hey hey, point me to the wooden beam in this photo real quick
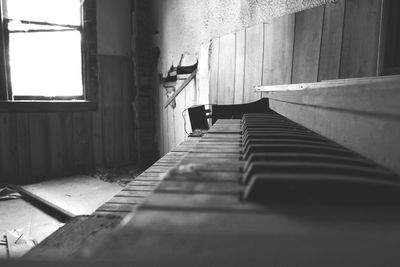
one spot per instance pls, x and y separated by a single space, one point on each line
177 92
328 84
376 96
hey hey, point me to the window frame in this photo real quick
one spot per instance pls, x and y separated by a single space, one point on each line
87 102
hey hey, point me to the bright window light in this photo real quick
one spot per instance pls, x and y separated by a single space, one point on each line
45 60
54 11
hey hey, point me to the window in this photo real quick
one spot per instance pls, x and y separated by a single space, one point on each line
49 50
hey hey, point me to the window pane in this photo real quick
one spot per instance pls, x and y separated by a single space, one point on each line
55 11
46 64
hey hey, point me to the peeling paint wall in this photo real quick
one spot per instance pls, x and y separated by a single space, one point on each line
183 25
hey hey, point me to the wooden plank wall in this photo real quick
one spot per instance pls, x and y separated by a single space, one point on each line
338 40
37 146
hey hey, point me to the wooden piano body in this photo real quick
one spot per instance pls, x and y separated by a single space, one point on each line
200 214
197 216
212 207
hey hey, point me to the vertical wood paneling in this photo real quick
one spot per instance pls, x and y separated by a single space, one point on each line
202 77
360 38
214 67
68 141
171 128
126 113
24 147
253 61
180 106
165 119
82 122
239 66
108 122
4 147
160 131
278 50
113 125
56 133
159 140
13 145
97 130
190 100
226 73
8 142
39 145
331 45
111 86
307 43
97 120
389 12
117 114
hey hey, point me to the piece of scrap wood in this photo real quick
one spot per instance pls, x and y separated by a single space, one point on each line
177 92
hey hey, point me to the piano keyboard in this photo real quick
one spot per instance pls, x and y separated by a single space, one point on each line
132 196
265 191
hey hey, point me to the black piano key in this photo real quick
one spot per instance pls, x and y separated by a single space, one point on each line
284 135
294 148
248 133
275 129
268 124
287 141
306 157
322 188
311 167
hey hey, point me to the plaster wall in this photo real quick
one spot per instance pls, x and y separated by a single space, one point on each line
184 25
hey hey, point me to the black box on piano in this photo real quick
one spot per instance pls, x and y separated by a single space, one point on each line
198 117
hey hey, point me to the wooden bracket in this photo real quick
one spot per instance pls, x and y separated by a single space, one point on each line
177 92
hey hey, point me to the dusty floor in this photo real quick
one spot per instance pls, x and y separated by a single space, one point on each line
121 176
33 221
37 222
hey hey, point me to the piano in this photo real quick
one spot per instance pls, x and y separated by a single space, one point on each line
257 189
263 191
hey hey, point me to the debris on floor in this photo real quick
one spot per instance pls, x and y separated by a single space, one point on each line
3 247
18 243
76 195
7 193
34 223
121 176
